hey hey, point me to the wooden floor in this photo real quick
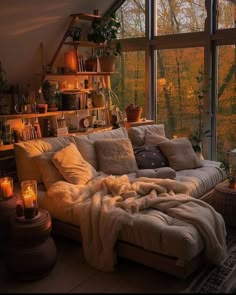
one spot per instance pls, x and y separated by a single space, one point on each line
71 274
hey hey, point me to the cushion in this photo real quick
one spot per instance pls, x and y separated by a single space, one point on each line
48 171
163 172
137 134
150 157
180 154
72 166
25 151
154 138
116 156
85 143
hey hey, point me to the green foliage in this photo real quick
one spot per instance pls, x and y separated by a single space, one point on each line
74 32
103 32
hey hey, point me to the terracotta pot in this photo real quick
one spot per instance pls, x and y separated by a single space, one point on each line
133 113
107 63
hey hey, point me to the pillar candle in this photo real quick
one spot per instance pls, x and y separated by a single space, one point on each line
6 188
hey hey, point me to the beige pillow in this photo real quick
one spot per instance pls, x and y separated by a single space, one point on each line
72 166
153 138
48 171
116 156
180 154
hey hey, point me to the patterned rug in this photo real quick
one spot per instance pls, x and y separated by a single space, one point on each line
218 279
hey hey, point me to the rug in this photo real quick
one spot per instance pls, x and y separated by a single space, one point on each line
221 278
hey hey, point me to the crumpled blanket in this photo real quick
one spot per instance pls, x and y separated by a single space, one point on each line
106 204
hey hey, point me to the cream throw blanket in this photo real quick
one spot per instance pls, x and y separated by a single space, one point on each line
108 203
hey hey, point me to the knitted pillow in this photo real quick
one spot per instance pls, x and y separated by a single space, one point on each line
150 157
115 156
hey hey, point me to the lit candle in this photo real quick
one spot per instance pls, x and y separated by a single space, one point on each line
6 188
175 136
29 197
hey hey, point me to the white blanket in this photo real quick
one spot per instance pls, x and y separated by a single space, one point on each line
108 203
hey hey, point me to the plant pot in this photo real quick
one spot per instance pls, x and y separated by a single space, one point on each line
107 63
98 100
91 65
133 114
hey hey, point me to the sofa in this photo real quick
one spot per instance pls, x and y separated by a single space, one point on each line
114 191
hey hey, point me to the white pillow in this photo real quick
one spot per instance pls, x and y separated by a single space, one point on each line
116 156
48 171
72 166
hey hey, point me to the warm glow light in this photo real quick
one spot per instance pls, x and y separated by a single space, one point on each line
70 60
29 198
6 188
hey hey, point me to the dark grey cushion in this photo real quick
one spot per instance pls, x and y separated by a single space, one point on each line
150 157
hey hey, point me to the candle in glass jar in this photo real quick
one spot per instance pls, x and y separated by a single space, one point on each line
6 188
29 197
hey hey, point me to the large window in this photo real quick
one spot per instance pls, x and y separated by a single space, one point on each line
179 63
226 115
179 90
226 14
132 18
179 16
129 84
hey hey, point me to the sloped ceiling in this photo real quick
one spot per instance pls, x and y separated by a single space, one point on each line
25 24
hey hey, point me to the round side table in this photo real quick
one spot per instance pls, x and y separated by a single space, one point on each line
31 252
224 201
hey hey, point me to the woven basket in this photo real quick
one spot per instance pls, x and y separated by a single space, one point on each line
133 114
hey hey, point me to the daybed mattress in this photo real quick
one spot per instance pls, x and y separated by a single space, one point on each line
169 236
202 180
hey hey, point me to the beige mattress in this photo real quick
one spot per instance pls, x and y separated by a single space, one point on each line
202 180
169 236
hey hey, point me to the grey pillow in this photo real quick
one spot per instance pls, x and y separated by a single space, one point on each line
180 154
115 156
150 157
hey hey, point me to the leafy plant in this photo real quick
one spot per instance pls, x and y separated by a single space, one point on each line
198 135
74 32
104 32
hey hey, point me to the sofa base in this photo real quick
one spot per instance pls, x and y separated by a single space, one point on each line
163 263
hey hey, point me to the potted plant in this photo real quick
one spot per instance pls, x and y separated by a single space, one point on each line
133 113
50 94
104 32
74 32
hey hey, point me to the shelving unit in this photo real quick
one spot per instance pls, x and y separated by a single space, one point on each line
6 149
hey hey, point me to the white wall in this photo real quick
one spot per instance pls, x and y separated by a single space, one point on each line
24 24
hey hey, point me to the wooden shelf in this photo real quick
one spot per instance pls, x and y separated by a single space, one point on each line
8 147
86 16
48 114
58 76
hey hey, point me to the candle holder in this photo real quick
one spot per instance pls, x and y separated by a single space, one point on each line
6 187
29 198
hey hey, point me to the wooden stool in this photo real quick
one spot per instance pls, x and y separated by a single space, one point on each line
31 252
7 211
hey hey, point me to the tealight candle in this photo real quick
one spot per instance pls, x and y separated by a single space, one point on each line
6 187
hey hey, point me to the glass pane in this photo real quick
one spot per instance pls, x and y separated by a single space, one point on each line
132 18
227 14
129 82
180 92
226 119
179 16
